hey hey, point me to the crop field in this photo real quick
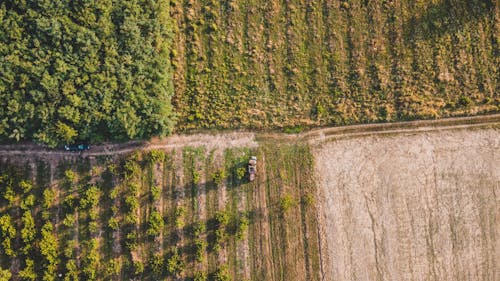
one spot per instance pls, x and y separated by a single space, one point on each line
185 214
298 63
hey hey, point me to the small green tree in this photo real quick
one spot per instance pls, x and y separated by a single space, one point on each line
221 274
287 202
175 265
28 272
155 223
200 276
5 274
65 133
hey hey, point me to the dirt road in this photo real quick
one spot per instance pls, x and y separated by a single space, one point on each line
249 139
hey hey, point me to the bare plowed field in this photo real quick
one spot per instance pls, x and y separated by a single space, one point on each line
411 206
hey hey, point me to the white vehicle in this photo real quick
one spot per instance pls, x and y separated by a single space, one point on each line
252 168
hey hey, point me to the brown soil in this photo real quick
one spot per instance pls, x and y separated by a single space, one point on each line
411 206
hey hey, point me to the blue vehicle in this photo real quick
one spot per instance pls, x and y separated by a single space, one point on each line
77 147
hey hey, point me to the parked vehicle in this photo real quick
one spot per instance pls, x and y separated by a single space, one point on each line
252 168
77 147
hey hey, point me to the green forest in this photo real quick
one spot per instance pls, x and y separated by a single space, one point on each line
84 70
117 70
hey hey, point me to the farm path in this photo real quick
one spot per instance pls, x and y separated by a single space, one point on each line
234 139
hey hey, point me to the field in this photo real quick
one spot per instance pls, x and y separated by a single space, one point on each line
179 214
407 201
298 63
411 206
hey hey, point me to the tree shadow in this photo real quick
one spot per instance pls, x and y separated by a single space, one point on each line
446 17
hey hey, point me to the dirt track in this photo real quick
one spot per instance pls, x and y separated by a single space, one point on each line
249 139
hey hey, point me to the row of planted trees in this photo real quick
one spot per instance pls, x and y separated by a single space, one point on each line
112 219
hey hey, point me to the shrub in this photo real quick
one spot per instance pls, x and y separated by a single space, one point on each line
198 228
5 274
113 223
28 232
155 223
221 274
28 272
464 101
179 213
156 264
155 192
308 199
69 175
200 276
156 156
26 186
138 267
10 196
69 220
221 218
196 177
240 173
174 263
242 227
28 202
114 267
91 197
219 176
199 247
287 202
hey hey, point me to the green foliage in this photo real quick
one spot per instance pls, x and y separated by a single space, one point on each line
200 276
196 177
155 223
85 70
219 176
242 227
7 232
198 228
308 200
221 274
138 267
5 274
49 196
113 223
179 214
199 249
28 272
114 267
131 240
90 197
155 192
156 263
28 231
26 186
72 268
10 195
222 218
287 202
48 249
69 175
156 156
175 265
91 260
28 202
240 173
69 220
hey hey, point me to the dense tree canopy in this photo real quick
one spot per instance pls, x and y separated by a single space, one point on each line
84 70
